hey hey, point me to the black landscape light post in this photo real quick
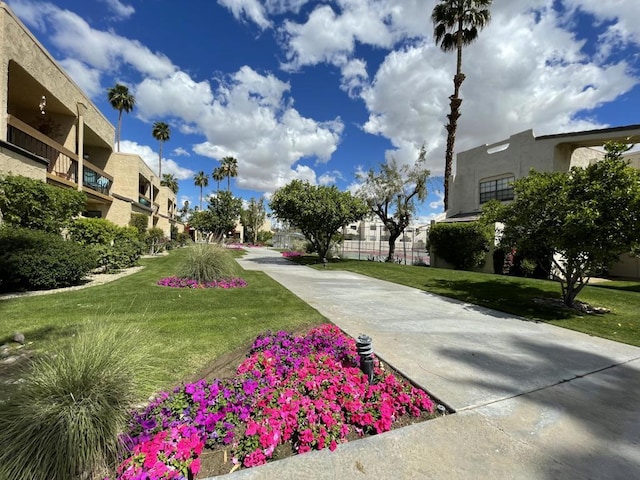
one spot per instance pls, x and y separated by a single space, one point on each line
365 351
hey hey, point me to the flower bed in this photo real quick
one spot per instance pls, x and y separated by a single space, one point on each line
304 391
291 254
176 282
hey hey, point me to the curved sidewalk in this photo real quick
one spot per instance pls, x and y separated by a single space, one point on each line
533 401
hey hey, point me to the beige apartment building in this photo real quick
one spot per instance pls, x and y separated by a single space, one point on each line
486 172
51 131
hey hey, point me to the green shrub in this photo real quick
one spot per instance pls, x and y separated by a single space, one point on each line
117 247
208 262
35 260
29 203
140 222
155 240
183 239
62 422
463 245
90 231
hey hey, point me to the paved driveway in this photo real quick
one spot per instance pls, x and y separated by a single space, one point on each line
533 401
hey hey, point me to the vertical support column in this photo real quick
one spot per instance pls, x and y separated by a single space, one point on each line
80 143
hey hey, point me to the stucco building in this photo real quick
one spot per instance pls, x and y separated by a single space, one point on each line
486 172
51 131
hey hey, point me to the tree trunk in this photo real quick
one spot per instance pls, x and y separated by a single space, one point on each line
453 117
392 245
119 128
160 162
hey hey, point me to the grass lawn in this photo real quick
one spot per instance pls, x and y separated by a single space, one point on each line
187 328
515 295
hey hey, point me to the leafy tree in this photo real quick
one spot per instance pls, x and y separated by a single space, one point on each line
170 180
253 217
229 169
29 203
220 217
392 193
586 217
218 175
463 245
162 133
456 24
318 211
120 99
201 180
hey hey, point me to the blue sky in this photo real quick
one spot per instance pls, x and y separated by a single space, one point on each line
320 90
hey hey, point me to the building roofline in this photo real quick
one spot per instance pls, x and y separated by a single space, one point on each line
589 132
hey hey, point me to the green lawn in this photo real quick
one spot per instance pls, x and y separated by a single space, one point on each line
515 295
188 328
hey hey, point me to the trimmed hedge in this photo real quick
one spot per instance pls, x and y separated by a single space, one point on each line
463 245
36 260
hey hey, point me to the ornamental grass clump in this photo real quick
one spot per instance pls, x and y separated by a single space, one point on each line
63 422
208 263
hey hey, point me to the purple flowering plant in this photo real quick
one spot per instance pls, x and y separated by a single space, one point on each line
291 254
305 390
177 282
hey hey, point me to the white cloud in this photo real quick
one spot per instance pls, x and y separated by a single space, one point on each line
624 14
330 178
248 116
98 49
439 203
252 9
181 152
150 157
120 9
537 79
258 10
87 78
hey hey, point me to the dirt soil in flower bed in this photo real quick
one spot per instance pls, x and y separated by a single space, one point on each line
218 462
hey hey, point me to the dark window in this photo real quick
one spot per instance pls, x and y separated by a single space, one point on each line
501 189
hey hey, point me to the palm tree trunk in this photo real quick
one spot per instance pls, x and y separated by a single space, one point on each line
200 197
160 162
119 128
228 183
452 127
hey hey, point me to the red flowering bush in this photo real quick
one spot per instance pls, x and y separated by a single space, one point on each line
291 254
303 390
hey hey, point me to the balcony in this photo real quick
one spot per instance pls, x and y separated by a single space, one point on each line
63 163
144 201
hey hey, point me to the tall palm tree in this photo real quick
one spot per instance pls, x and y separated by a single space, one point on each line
170 180
229 167
201 180
218 175
456 24
120 99
162 133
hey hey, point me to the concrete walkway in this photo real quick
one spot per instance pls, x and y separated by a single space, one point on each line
533 401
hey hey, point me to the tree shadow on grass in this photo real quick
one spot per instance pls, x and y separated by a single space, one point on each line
514 298
624 288
596 395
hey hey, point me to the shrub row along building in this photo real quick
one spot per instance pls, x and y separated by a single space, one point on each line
50 130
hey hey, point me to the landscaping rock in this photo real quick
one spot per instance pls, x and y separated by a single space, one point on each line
18 338
9 360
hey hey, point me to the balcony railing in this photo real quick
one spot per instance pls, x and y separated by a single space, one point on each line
96 179
144 201
63 163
